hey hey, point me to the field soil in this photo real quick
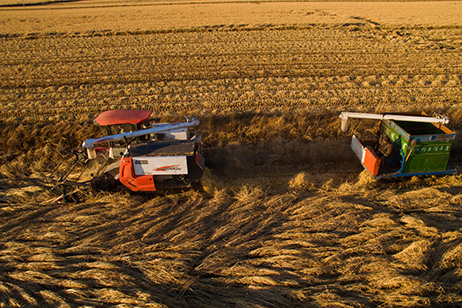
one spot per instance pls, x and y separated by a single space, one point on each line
287 216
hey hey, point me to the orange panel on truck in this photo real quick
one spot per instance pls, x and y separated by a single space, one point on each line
372 162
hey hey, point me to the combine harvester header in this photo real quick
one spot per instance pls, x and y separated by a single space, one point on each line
406 145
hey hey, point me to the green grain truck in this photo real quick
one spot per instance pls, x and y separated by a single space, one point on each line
406 145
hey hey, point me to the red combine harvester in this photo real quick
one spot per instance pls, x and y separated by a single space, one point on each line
137 154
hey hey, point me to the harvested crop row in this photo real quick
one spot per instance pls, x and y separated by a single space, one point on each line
51 78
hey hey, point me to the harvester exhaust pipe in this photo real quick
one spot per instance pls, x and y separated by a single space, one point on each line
441 119
344 124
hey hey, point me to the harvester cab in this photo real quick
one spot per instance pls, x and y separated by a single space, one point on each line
405 145
136 153
121 121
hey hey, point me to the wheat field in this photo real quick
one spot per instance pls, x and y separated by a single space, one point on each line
288 217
